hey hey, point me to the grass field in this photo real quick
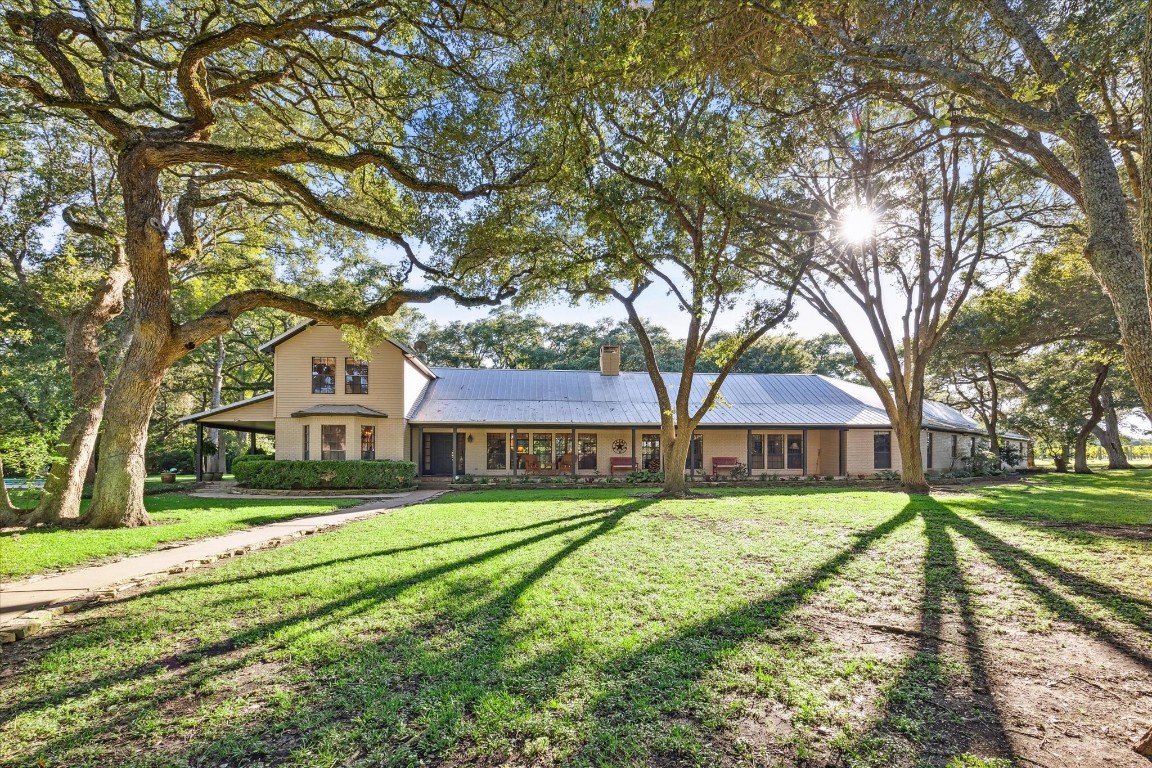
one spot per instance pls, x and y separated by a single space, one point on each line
176 517
1008 625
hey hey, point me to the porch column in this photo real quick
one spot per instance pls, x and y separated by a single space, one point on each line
455 466
199 451
515 455
573 453
419 457
748 453
634 448
252 442
804 448
843 449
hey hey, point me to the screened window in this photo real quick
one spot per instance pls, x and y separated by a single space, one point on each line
955 446
307 442
931 445
368 442
972 447
586 450
497 451
795 451
882 450
775 451
756 452
355 376
332 438
323 375
542 448
650 452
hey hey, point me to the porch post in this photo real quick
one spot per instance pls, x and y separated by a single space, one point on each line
199 451
573 453
843 452
748 453
419 457
804 447
455 466
633 448
515 455
252 442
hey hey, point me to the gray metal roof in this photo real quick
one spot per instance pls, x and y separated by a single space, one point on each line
341 410
501 396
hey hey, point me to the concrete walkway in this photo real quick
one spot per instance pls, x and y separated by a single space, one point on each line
20 597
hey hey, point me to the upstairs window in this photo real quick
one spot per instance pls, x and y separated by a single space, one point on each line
355 376
323 375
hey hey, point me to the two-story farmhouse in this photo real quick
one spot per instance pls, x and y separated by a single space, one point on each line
328 404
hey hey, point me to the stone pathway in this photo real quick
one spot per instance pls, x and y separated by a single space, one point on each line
25 605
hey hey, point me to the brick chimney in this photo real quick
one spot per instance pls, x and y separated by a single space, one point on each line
609 360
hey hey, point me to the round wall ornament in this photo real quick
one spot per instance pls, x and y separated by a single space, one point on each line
619 446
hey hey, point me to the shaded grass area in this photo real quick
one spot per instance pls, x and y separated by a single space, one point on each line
593 628
176 517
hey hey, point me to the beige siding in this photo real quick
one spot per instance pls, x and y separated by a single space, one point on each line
386 385
262 411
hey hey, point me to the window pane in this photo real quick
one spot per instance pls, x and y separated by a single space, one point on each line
542 448
795 451
955 450
650 452
695 457
323 375
775 451
355 376
930 446
368 442
497 450
882 450
522 449
586 448
564 452
332 442
756 452
306 442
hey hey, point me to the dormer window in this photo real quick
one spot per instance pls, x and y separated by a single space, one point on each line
355 376
323 375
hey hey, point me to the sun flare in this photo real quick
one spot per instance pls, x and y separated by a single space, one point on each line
856 225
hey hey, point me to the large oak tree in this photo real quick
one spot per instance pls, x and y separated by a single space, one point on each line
356 114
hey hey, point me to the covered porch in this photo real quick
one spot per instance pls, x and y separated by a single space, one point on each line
250 417
515 450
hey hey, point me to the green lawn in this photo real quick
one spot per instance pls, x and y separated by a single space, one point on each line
591 627
177 517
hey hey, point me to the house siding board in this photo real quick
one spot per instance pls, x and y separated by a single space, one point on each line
293 372
264 410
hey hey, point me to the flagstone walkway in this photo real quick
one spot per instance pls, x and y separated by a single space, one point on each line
25 600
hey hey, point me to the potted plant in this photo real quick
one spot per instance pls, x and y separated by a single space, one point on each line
168 476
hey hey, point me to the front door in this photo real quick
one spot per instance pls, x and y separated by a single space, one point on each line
438 454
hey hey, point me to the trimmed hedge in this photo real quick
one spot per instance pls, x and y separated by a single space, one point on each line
244 458
318 475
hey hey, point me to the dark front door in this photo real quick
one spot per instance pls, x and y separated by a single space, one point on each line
438 454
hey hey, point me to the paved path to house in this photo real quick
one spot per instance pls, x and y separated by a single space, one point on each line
20 597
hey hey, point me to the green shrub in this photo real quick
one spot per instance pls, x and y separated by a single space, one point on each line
319 475
247 457
644 476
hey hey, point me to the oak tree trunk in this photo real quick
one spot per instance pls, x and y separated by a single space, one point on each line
1109 433
118 495
907 429
1112 250
1061 459
216 462
1080 460
678 442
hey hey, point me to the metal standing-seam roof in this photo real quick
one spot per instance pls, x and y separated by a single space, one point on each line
504 396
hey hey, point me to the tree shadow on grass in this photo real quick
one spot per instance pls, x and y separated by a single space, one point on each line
186 673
